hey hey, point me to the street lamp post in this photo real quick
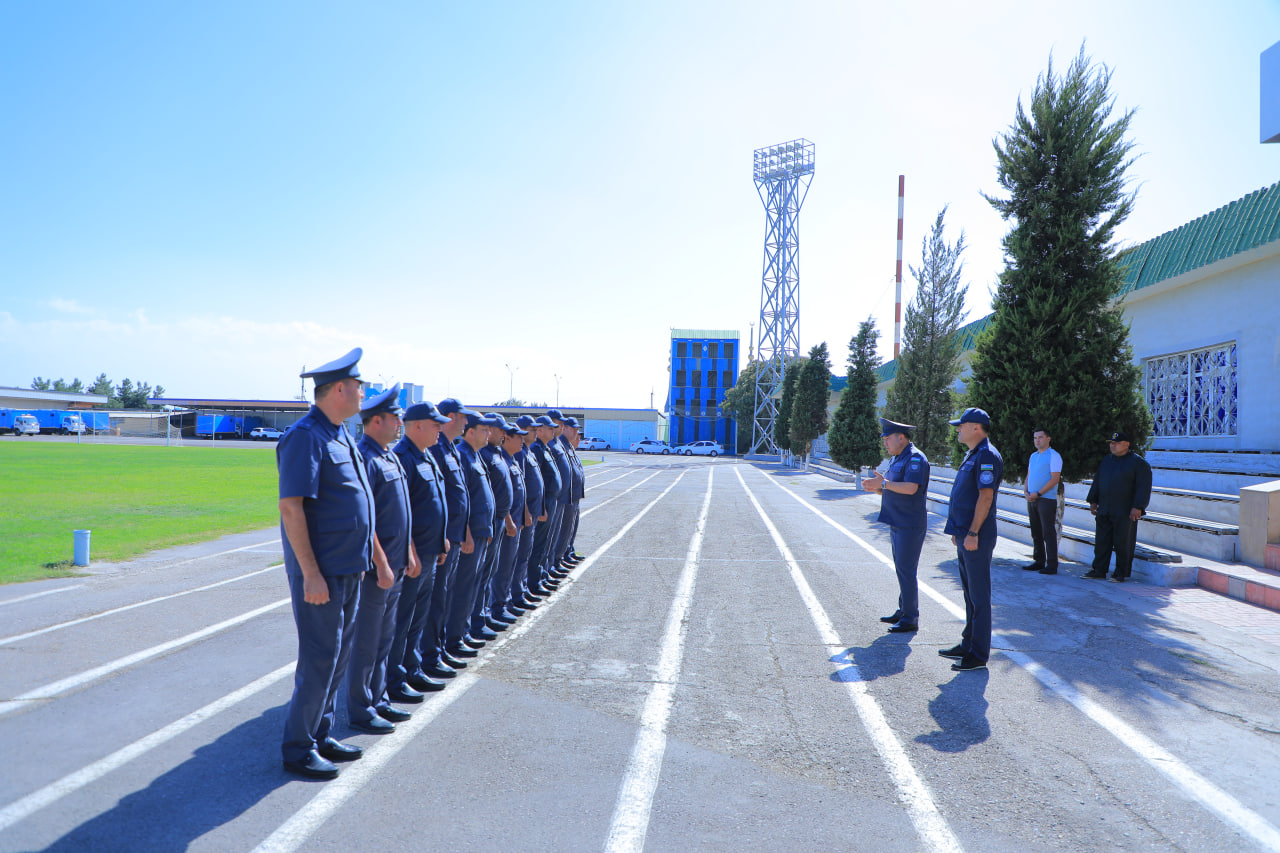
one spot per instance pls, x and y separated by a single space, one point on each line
511 376
557 390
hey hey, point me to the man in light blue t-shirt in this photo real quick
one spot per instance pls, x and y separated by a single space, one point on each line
1043 472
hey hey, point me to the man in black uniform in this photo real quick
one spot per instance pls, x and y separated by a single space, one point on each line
902 507
1118 498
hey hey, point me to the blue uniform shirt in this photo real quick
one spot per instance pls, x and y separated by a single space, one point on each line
909 466
426 498
532 482
518 489
557 452
499 480
318 462
390 501
576 470
551 481
479 492
982 469
455 487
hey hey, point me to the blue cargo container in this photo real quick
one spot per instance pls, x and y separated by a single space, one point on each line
58 421
225 426
95 422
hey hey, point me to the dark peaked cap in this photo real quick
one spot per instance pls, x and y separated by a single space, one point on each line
888 427
388 402
339 368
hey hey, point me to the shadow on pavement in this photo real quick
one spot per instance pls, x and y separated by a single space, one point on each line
887 655
960 710
221 781
839 494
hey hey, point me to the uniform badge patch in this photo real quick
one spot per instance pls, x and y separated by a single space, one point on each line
986 478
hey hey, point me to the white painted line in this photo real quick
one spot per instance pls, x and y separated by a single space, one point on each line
619 494
72 782
630 821
294 832
1196 786
41 594
57 688
4 641
607 482
933 830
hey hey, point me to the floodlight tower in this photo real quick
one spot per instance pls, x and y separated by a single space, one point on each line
782 175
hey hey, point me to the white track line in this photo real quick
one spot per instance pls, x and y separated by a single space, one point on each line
607 482
72 782
630 821
57 688
41 594
4 641
933 830
1192 783
618 495
294 833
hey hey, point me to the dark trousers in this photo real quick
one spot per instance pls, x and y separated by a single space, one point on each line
436 627
524 550
375 628
1043 514
573 534
484 596
500 586
1116 533
907 543
565 534
324 646
543 540
405 657
975 577
466 589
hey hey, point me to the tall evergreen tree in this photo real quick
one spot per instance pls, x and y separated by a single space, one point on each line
813 391
41 384
854 437
1057 354
929 364
101 385
782 423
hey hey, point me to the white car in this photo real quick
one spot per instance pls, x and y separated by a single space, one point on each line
265 434
700 448
648 445
594 444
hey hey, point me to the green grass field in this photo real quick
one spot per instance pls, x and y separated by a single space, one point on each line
134 499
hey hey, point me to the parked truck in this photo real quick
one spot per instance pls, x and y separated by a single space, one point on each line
95 422
18 422
225 426
60 422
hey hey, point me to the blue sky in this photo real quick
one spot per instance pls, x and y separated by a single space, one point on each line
210 196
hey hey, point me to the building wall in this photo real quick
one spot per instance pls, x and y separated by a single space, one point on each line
1228 303
702 370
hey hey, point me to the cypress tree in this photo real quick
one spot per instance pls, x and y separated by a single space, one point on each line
1057 353
809 408
782 423
854 437
921 394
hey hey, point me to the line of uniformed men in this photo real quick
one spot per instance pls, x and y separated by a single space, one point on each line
428 547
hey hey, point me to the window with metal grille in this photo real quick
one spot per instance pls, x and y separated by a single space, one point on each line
1192 394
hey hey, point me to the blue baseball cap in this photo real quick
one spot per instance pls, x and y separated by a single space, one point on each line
555 415
543 420
388 402
339 368
524 421
424 412
512 429
571 421
496 419
477 419
450 406
972 416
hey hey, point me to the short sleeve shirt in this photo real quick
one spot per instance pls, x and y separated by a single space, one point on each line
390 501
318 462
426 498
1041 467
455 486
909 511
983 468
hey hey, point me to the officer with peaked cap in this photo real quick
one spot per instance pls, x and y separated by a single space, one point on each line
902 506
416 613
368 709
971 521
327 528
439 663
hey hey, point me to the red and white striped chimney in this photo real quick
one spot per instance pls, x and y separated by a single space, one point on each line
897 305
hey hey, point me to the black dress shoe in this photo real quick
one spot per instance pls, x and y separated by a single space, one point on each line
578 557
1033 567
474 644
404 694
518 606
956 652
897 614
494 625
511 616
1094 576
452 661
442 672
312 767
1047 571
968 663
461 651
375 726
530 602
420 680
502 617
1118 579
484 633
336 750
393 715
903 628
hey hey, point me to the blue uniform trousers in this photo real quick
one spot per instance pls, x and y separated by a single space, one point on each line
543 540
524 550
975 577
573 534
500 586
466 588
907 543
488 568
436 627
324 646
565 533
411 615
375 629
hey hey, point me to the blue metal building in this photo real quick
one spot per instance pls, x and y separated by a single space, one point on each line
704 365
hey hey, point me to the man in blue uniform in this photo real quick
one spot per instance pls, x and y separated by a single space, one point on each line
569 528
327 527
971 521
1118 498
500 586
499 473
445 452
552 484
558 449
520 600
479 521
415 616
902 507
367 707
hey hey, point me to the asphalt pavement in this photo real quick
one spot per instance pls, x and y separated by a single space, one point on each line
713 677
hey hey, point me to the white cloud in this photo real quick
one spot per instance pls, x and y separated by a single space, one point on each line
68 306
